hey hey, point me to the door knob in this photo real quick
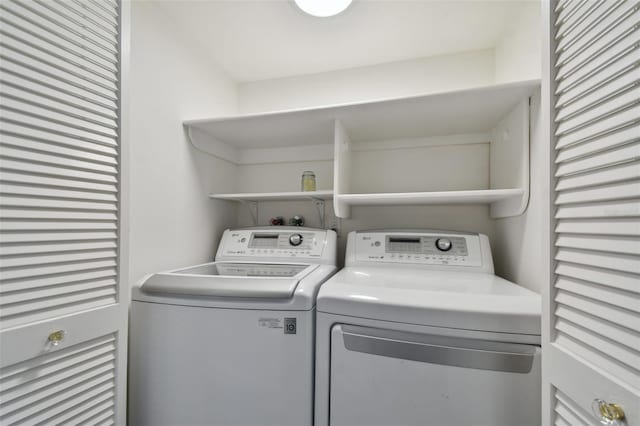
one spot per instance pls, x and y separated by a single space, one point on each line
608 413
56 337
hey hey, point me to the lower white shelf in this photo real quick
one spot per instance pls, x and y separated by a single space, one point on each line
441 197
275 196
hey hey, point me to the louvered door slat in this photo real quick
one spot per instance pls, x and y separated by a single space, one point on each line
617 57
602 126
619 226
100 14
42 270
38 121
15 20
58 306
571 11
602 259
20 165
601 193
81 414
594 308
625 208
586 304
75 121
79 15
615 173
51 158
602 276
98 369
45 259
50 51
45 192
600 17
64 30
627 245
15 250
617 95
594 146
82 276
21 213
576 13
80 376
47 181
56 78
58 204
79 23
56 291
42 92
595 45
572 413
104 155
30 54
617 333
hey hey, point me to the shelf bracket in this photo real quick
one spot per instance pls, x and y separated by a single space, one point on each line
252 206
319 204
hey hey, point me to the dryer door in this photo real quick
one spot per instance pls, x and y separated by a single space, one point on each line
384 377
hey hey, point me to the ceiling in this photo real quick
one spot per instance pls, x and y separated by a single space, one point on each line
265 39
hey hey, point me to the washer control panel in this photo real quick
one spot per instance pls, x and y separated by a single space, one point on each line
419 248
265 243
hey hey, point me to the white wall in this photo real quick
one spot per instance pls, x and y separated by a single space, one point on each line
172 221
397 79
518 55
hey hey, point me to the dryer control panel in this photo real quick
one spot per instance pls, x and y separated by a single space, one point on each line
426 248
275 242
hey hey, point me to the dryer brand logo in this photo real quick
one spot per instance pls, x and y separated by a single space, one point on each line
290 326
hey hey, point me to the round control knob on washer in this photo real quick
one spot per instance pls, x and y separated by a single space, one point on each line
295 239
443 244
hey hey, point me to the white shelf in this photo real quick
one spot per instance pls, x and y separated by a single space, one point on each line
275 196
497 115
309 133
423 198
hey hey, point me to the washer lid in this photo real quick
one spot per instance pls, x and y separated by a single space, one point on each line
469 301
230 279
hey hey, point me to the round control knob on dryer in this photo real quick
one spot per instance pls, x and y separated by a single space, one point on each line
295 239
443 244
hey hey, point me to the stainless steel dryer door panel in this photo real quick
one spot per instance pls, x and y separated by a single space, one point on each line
384 377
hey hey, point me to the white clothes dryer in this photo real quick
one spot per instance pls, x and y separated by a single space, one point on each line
231 342
417 330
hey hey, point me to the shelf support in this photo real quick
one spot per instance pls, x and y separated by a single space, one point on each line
319 204
252 206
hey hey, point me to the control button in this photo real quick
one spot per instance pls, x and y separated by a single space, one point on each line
295 239
242 240
377 244
443 244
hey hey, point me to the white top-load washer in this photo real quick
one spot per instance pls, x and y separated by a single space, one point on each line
417 330
231 342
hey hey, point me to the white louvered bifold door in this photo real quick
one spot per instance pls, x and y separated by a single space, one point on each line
62 310
593 349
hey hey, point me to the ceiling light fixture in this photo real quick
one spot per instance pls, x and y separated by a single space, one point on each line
323 8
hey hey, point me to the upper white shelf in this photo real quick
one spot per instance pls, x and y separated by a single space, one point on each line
275 196
464 111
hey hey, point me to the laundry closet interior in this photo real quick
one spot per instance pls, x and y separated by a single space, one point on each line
239 212
410 114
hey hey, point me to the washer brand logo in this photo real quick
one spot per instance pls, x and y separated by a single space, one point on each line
290 326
